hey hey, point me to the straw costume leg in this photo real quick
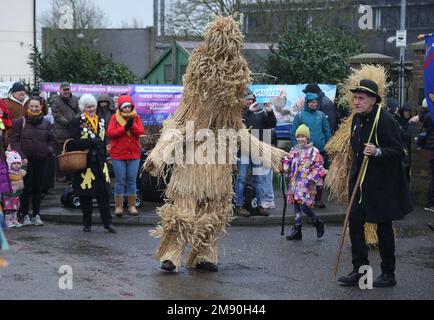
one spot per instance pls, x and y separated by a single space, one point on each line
175 230
210 223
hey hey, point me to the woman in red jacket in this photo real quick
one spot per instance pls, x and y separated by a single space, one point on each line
124 131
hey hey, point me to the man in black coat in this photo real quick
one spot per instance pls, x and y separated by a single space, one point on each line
383 194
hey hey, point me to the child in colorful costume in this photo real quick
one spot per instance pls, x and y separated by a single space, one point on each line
304 167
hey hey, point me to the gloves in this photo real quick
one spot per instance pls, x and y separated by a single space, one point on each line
96 143
129 123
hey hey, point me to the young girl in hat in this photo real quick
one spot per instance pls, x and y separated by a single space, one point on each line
11 201
304 167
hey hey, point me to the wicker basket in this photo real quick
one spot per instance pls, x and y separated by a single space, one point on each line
73 160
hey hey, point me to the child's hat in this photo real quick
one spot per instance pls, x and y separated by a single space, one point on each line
303 130
13 157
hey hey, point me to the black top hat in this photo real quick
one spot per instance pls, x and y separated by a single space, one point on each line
369 87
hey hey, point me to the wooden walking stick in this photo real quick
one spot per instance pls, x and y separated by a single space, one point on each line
282 176
347 215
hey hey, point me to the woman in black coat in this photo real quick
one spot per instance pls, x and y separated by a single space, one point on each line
88 133
32 137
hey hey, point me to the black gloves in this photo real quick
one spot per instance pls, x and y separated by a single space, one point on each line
129 123
5 116
96 143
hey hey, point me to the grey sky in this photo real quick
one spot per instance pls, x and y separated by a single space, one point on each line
116 10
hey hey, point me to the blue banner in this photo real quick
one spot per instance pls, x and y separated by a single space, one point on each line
428 67
287 101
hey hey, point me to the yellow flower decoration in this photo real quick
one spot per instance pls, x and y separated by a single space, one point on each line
106 173
87 179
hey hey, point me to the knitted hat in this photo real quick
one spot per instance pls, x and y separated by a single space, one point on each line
302 130
312 97
17 86
125 101
12 157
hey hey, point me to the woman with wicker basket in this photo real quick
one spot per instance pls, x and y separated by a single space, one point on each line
32 137
88 133
124 131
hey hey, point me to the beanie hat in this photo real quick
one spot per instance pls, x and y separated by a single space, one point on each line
125 101
17 86
303 130
12 157
312 97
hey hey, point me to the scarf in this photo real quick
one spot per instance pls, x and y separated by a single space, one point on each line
93 122
34 119
121 116
33 114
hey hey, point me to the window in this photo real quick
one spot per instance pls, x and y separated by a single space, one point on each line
168 75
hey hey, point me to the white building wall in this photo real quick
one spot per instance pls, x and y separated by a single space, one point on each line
16 40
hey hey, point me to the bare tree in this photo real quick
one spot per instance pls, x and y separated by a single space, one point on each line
80 14
263 18
134 23
190 17
73 21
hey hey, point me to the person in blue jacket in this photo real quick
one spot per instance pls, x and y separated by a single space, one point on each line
319 128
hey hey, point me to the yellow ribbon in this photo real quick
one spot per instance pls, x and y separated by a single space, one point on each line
365 168
93 122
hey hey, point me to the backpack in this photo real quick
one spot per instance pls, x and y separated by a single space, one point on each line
250 200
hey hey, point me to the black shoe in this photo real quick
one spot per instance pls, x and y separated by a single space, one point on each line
351 280
87 229
296 233
110 229
208 266
319 205
430 226
385 280
319 225
168 265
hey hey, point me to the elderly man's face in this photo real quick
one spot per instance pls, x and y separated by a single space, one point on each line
66 92
363 103
19 95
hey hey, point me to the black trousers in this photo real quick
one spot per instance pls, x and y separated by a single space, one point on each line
359 251
33 186
103 206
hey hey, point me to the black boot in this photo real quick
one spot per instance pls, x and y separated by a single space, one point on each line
385 280
351 280
319 225
296 233
168 265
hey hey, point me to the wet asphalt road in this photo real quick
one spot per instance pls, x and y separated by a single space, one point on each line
255 263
